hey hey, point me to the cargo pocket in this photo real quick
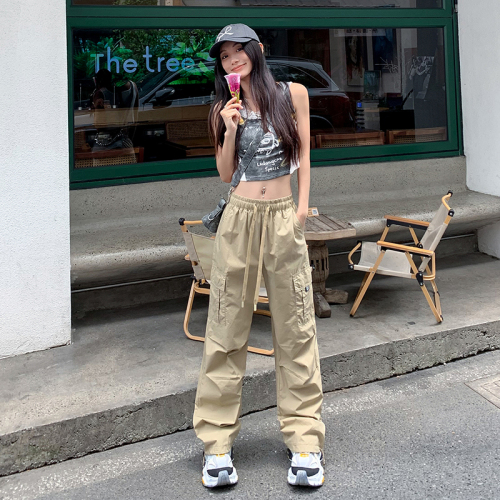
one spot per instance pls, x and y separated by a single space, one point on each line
302 284
217 305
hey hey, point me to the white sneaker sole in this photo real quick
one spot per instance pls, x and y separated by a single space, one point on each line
301 479
224 479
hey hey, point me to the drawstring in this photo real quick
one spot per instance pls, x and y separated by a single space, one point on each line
261 258
249 249
257 206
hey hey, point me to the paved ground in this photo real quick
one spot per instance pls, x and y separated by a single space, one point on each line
125 357
131 374
425 435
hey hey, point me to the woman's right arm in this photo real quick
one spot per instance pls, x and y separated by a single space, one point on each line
98 100
224 156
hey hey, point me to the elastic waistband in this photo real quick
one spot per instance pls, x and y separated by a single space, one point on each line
250 203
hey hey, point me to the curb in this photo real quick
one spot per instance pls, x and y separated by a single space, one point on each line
35 447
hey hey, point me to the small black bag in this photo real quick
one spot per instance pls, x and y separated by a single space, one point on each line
212 220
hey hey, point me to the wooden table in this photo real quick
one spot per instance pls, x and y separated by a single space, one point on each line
318 230
84 159
199 146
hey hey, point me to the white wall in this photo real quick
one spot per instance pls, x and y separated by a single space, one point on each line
489 240
480 74
34 193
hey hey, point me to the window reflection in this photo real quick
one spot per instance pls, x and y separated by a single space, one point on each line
144 95
405 4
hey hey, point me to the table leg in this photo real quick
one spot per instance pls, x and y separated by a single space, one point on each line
318 255
321 306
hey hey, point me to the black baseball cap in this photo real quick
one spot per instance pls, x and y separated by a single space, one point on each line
233 33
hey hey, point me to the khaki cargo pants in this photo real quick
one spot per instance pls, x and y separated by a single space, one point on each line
260 237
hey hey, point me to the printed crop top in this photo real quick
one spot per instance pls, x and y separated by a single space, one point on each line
269 159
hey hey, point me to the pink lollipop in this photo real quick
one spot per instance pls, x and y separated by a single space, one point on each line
233 81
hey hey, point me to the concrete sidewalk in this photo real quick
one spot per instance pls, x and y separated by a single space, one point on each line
131 374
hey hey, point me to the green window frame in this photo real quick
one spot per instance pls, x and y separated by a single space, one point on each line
107 17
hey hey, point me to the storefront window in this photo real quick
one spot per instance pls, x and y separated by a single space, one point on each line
405 4
144 95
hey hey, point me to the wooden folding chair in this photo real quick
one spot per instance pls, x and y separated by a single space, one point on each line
200 250
416 135
393 259
125 156
352 139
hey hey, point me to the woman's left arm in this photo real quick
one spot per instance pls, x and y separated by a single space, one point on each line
300 99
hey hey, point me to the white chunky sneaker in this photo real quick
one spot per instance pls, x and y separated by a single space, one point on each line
218 470
306 469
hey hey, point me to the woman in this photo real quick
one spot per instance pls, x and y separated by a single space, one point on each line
104 97
261 233
354 60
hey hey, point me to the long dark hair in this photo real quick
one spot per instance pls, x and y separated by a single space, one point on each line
273 105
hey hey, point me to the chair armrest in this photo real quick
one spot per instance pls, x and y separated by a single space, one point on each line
349 257
402 221
183 221
405 248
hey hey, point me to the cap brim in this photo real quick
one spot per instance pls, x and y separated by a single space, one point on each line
214 51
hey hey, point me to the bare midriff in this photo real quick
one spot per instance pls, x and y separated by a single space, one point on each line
265 190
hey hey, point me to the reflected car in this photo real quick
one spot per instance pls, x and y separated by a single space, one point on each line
329 106
171 121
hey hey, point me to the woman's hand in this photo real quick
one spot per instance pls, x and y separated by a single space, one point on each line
231 115
302 216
